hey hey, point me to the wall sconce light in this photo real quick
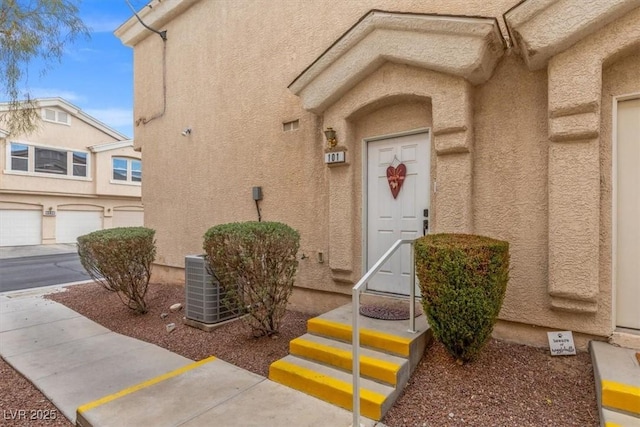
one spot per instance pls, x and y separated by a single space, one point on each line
186 131
330 134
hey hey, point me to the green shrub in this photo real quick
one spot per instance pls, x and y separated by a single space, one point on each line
255 263
463 279
120 260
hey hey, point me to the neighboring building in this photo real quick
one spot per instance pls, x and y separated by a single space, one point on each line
515 119
71 176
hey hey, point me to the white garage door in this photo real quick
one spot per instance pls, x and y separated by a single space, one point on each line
71 224
20 227
124 218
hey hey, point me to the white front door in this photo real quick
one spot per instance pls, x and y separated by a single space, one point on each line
628 215
390 219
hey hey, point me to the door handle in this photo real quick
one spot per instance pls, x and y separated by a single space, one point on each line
425 227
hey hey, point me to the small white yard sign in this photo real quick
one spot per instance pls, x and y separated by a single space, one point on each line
561 343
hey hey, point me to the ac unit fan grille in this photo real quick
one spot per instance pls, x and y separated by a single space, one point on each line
204 297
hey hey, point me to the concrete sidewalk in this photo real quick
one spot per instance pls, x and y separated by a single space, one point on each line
120 381
617 377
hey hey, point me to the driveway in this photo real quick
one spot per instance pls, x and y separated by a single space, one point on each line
25 267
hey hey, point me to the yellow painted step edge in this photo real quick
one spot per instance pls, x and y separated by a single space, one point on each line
370 338
326 388
612 424
371 367
621 396
106 399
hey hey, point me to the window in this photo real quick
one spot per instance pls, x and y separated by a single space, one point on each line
127 170
63 117
79 163
50 115
19 157
56 116
51 161
120 169
136 170
47 160
290 126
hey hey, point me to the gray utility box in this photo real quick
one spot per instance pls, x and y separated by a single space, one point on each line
204 296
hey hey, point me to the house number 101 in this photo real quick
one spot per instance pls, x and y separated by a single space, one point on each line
334 157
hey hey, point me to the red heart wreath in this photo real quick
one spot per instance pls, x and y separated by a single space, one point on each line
396 176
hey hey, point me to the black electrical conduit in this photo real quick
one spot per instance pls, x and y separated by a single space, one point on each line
163 35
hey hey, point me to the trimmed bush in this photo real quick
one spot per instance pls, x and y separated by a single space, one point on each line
463 279
120 260
255 263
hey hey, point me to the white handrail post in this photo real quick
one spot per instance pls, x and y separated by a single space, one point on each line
355 342
412 292
355 298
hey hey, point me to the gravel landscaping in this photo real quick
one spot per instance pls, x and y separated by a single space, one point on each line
509 385
23 405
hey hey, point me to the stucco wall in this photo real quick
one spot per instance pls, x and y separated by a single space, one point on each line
231 132
48 192
105 184
76 136
228 68
510 186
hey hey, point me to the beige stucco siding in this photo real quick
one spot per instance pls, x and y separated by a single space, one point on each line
40 183
237 131
241 146
98 182
77 134
510 186
106 185
509 154
52 194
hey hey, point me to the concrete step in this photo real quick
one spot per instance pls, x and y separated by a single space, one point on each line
392 344
618 419
388 336
333 385
617 377
381 367
320 362
627 338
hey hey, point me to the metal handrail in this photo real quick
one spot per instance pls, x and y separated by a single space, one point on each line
356 317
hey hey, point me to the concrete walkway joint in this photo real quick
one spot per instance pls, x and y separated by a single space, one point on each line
97 377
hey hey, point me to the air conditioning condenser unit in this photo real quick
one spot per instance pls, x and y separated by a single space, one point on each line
204 299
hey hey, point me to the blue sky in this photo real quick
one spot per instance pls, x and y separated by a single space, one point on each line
95 75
